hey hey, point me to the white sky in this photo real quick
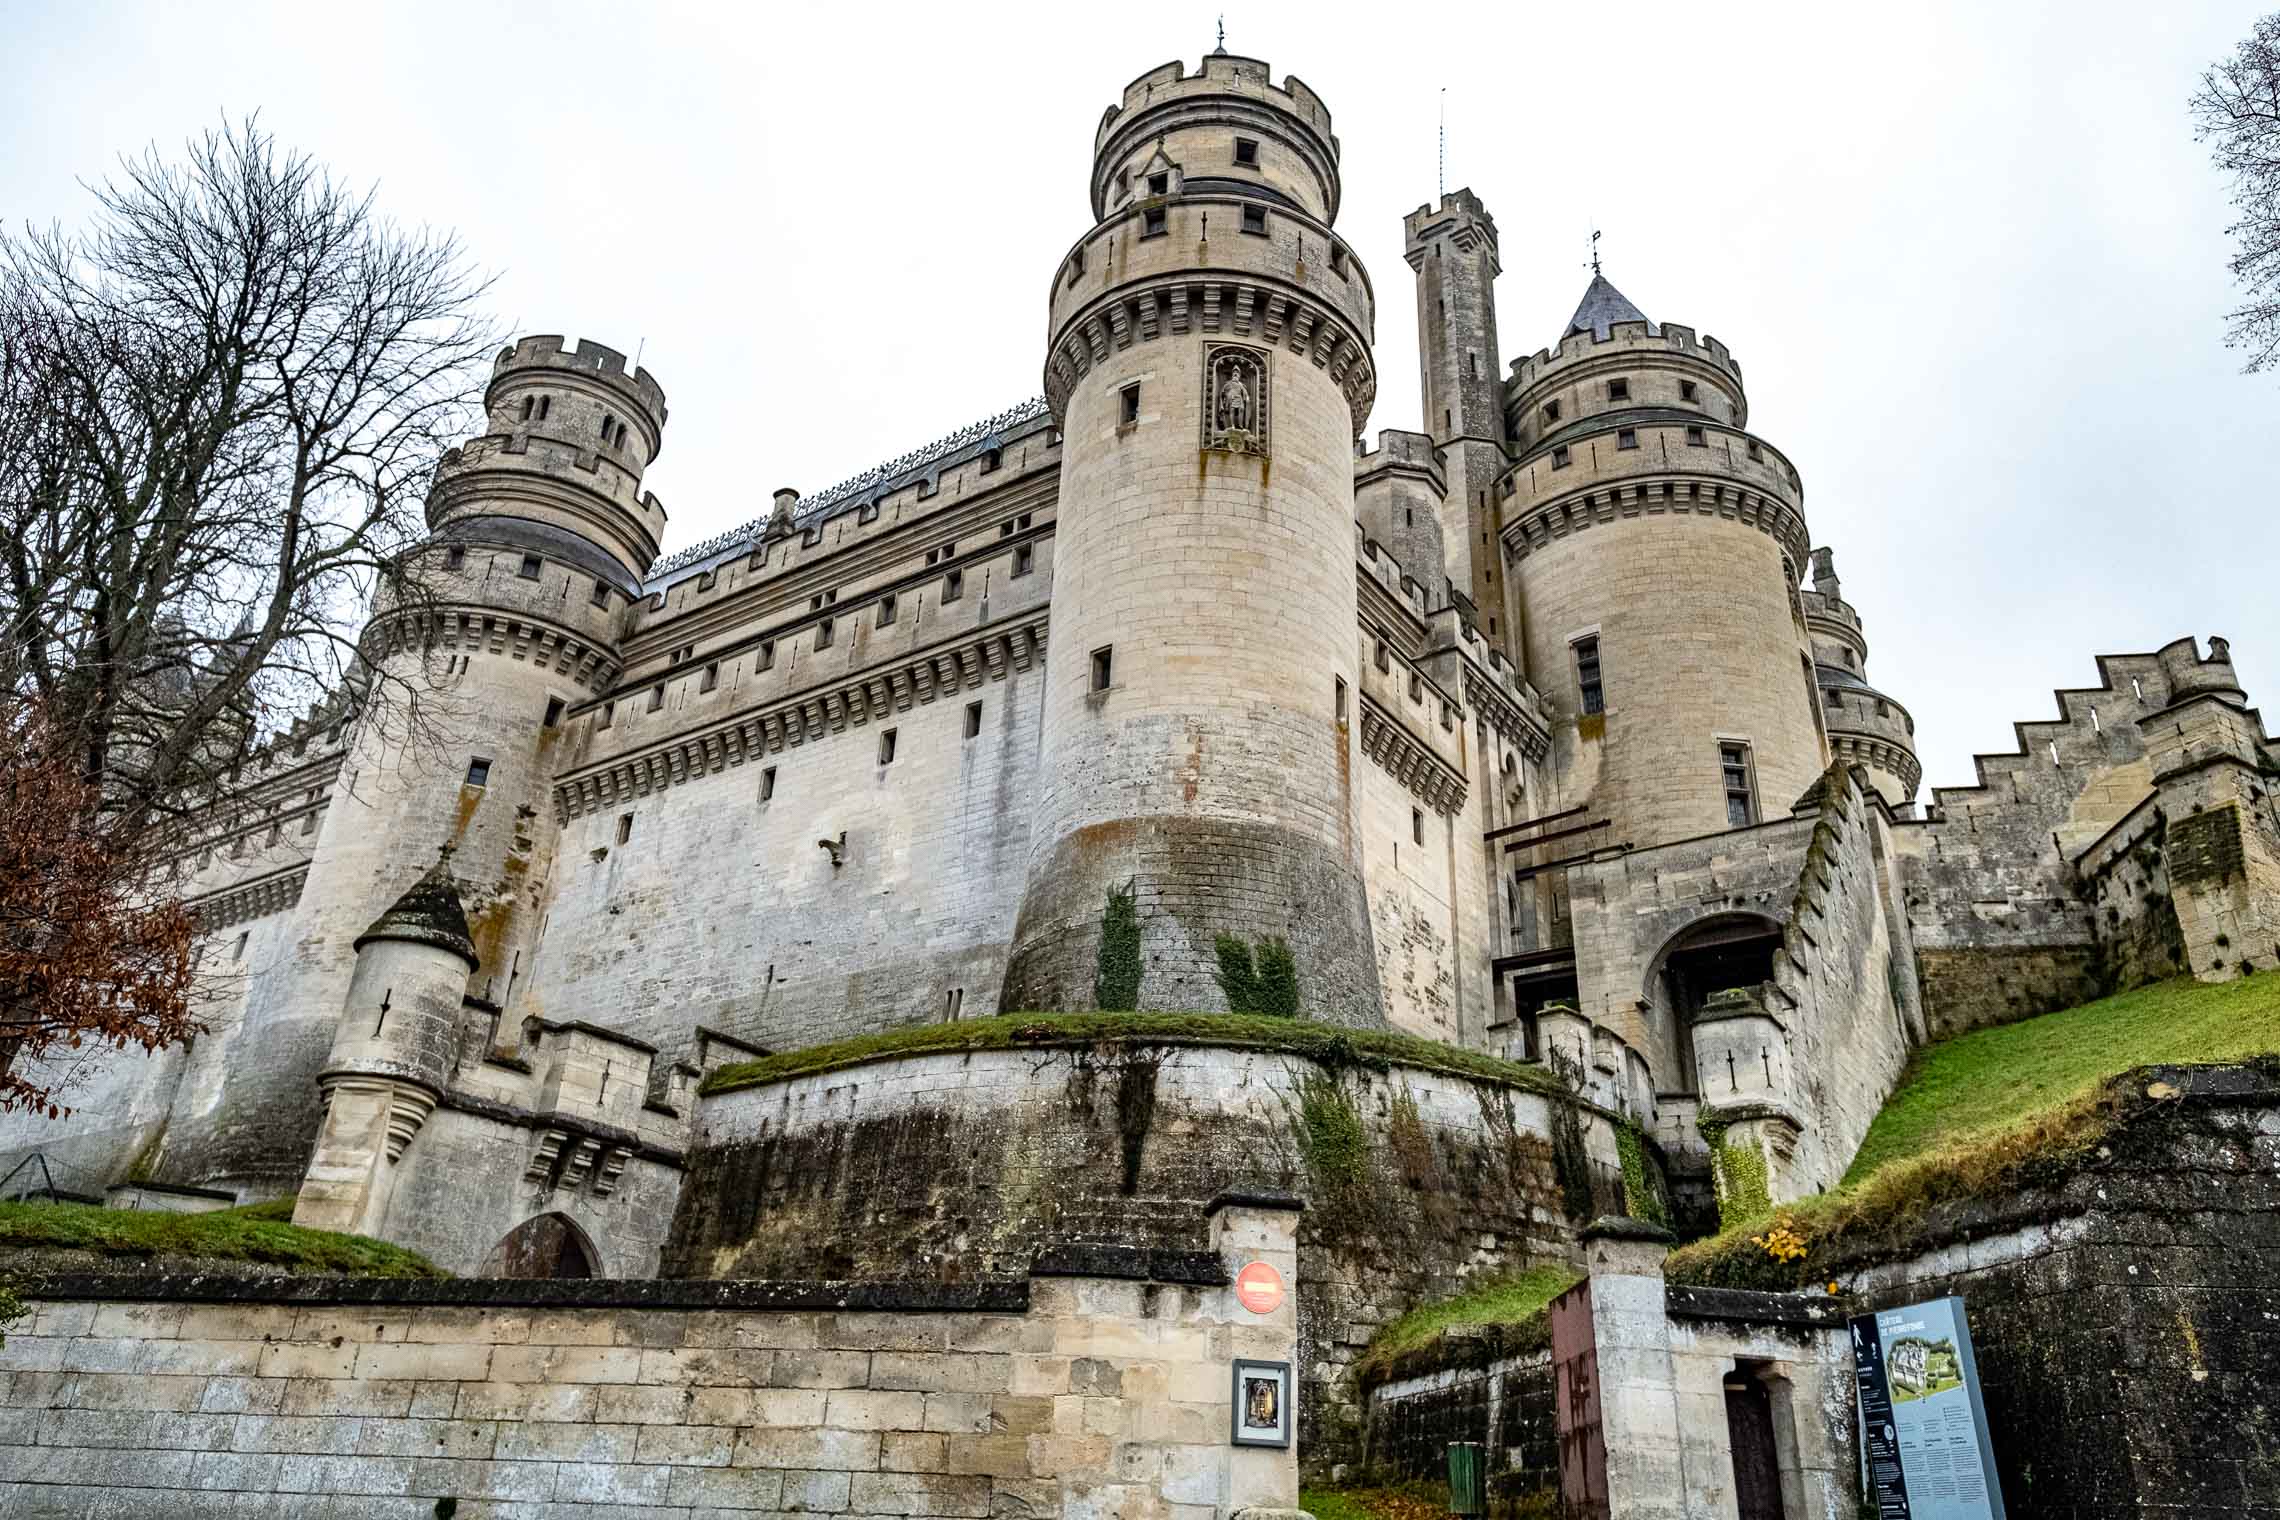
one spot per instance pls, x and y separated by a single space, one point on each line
1969 255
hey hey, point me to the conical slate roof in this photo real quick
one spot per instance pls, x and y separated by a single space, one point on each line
1602 307
430 913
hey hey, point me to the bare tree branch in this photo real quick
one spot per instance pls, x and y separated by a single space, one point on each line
2237 112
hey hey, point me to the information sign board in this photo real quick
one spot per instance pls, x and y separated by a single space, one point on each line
1923 1424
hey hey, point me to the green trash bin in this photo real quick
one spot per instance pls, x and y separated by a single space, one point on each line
1468 1487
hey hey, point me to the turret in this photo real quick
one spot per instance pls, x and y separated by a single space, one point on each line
514 613
1866 727
1209 368
391 1053
1452 250
1656 545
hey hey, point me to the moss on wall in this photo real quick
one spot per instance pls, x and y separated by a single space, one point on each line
1642 1197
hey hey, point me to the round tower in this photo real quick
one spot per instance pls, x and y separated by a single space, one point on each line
392 1052
1655 547
511 613
1866 727
1209 368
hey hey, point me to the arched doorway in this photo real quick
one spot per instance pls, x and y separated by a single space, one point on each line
546 1245
1711 955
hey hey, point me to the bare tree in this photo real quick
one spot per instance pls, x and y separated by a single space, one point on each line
221 405
2237 112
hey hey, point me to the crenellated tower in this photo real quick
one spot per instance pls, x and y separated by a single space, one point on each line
1209 368
1452 249
1865 726
513 613
1656 545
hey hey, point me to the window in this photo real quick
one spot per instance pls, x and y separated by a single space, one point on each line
767 654
1152 223
1755 451
823 634
767 783
478 772
1247 152
553 711
1340 695
530 565
609 425
1417 825
625 827
545 405
1255 220
1123 180
973 720
1741 796
243 937
1831 698
1849 658
1338 260
609 715
991 459
1103 667
528 403
1626 438
887 747
953 585
711 677
1128 412
657 696
455 557
1551 411
886 609
308 823
1686 390
1560 457
1589 694
1024 558
1159 184
1697 438
601 593
1618 390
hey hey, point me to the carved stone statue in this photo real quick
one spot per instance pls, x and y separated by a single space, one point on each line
1235 399
1235 406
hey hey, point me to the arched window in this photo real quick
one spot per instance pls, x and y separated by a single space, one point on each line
545 405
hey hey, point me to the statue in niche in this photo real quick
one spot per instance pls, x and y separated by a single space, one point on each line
1235 399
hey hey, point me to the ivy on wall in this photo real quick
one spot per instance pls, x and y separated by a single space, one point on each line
1739 1172
1641 1198
1266 984
1116 977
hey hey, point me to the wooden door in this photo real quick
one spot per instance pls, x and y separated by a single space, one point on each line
1757 1477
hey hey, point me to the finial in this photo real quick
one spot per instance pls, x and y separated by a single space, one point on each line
443 853
1595 252
1222 32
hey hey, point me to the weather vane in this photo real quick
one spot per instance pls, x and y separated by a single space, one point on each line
1595 250
1223 31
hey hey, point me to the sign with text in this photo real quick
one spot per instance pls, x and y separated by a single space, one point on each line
1923 1426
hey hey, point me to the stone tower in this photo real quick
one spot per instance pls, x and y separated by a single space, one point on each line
1209 369
1657 545
1865 726
392 1052
539 534
1453 252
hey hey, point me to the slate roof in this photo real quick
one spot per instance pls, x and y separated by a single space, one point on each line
1602 307
430 913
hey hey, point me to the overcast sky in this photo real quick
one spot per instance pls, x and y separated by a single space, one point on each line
1969 255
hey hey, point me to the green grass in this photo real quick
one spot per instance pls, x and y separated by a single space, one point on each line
1988 1113
1331 1045
1981 1082
1410 1501
261 1232
1511 1300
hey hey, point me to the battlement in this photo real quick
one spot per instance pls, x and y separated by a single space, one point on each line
1460 216
1623 338
544 351
1219 73
1401 450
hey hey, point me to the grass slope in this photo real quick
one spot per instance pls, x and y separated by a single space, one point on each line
1502 1301
1329 1044
1988 1112
1981 1082
261 1232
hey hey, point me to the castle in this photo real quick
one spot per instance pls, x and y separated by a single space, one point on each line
1523 732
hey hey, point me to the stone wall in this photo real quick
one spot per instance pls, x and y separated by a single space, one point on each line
959 1166
1092 1395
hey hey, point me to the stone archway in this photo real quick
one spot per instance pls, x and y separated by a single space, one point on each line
1709 955
545 1245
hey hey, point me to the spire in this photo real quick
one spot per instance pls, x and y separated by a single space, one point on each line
1602 307
429 913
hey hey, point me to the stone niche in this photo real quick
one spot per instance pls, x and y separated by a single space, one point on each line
962 1166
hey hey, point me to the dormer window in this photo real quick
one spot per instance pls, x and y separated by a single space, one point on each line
991 459
1255 220
1159 184
1247 152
